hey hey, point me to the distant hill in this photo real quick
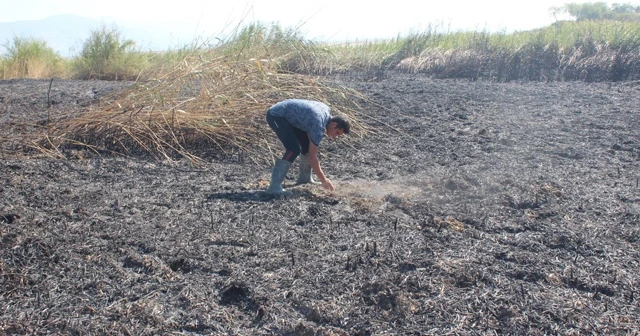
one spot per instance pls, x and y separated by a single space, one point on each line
67 33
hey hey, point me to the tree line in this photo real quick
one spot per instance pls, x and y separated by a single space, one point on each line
599 11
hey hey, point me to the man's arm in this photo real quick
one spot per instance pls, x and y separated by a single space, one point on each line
315 165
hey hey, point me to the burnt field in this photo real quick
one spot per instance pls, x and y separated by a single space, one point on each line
475 208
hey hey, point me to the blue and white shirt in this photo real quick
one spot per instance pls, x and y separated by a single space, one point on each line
307 115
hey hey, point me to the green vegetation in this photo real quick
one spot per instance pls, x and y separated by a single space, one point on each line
583 50
602 43
33 58
106 55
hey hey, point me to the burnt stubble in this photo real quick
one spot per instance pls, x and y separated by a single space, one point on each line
475 207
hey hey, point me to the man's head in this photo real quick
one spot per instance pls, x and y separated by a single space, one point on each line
337 126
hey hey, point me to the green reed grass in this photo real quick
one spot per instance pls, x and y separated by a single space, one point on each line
30 58
612 34
106 54
584 50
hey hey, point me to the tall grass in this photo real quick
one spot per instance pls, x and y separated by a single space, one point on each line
30 58
286 47
585 50
107 55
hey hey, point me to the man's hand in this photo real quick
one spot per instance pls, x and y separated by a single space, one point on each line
327 184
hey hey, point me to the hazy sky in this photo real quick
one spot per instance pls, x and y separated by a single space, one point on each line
327 19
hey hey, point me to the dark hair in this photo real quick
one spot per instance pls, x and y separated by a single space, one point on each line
342 123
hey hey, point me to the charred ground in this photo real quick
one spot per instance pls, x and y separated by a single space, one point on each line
476 207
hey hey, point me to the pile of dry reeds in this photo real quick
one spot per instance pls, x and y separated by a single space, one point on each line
199 107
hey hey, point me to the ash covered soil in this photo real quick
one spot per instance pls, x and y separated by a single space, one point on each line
475 208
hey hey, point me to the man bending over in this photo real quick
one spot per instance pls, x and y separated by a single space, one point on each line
300 125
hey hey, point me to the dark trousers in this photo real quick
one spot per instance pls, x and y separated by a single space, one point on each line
295 140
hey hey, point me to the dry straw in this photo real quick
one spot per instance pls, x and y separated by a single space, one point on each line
198 108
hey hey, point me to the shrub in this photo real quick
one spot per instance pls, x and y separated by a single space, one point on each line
30 58
106 55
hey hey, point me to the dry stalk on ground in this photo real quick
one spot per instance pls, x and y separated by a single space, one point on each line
198 107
